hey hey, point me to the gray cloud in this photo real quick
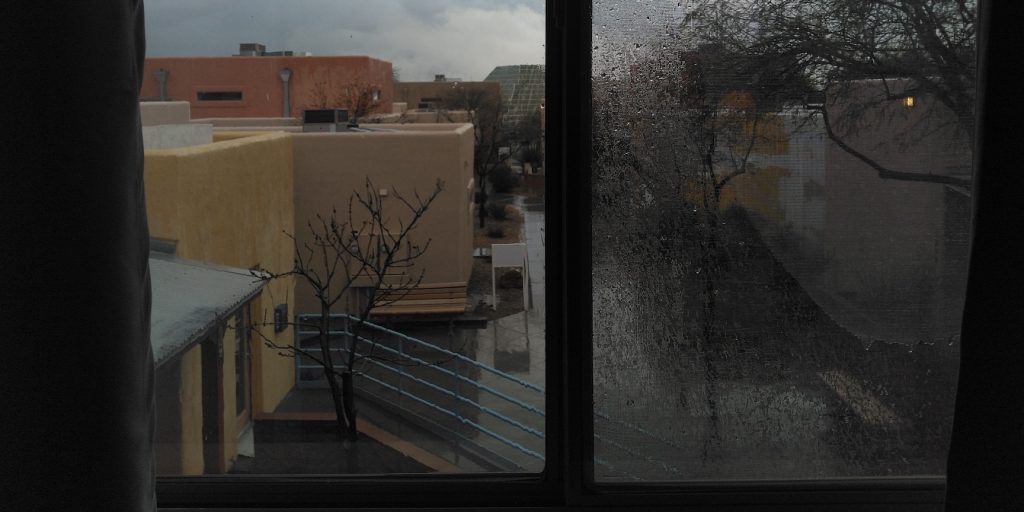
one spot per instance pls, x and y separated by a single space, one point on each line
463 38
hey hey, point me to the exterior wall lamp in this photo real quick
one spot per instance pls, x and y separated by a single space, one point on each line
286 75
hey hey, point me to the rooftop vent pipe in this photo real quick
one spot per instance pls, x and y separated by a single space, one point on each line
161 78
285 75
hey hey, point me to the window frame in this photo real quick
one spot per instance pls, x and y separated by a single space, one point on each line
567 481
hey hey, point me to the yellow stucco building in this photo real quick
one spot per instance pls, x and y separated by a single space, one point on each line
228 193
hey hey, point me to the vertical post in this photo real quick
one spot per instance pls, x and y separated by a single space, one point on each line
348 340
526 279
456 407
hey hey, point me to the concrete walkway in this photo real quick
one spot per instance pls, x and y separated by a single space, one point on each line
515 345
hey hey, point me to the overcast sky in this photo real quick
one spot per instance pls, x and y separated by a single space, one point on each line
459 38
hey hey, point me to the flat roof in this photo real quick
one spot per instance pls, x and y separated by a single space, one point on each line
192 298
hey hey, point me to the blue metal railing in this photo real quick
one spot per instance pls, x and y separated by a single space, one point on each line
399 369
454 392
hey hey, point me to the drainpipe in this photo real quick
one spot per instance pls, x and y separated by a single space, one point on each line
161 78
285 75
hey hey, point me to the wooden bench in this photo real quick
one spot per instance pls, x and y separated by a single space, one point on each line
425 299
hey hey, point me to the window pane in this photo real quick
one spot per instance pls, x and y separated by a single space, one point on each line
781 202
330 186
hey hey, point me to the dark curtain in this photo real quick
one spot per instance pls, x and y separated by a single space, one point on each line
76 364
986 460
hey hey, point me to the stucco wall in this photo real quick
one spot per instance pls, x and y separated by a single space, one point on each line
887 239
885 258
191 399
330 166
229 203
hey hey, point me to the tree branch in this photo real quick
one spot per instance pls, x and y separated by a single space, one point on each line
886 173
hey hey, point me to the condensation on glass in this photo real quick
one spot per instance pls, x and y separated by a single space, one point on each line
780 237
252 205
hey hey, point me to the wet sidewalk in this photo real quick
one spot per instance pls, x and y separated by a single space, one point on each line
515 345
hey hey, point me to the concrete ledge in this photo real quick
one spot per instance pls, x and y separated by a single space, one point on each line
154 113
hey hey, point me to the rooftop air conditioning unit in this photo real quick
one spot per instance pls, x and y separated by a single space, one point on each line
325 120
251 49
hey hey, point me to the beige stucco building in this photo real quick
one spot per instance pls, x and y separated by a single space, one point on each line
224 203
407 158
229 192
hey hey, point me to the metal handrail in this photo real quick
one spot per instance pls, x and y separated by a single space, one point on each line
459 417
457 355
402 373
476 384
647 458
638 428
425 363
519 403
459 397
490 455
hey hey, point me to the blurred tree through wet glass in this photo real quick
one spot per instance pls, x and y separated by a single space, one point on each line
781 201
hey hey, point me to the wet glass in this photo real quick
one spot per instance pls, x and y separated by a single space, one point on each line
436 332
781 200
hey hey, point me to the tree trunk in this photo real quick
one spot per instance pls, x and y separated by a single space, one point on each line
332 378
710 250
710 270
481 212
349 391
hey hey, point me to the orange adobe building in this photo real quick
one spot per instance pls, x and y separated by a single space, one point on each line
259 84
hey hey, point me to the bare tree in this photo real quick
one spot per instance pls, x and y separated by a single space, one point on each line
908 48
357 262
357 96
718 107
494 142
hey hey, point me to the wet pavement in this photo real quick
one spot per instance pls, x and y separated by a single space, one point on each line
515 345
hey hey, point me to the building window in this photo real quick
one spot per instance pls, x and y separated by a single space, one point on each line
219 95
739 410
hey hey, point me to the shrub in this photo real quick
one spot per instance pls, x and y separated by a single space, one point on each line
502 179
496 232
497 211
531 156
